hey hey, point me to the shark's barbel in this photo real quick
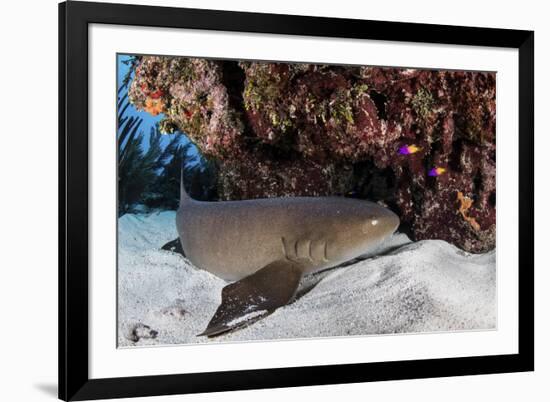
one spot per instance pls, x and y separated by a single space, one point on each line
265 246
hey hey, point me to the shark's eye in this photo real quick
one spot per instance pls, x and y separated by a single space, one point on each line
370 222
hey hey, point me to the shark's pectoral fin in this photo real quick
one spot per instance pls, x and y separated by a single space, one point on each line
254 297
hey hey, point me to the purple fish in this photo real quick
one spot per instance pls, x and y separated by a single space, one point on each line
436 171
408 149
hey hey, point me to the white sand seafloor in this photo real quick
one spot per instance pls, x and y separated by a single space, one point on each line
409 287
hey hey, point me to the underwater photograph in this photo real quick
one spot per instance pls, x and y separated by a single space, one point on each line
262 200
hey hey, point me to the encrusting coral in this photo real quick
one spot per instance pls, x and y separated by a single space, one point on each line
411 139
465 205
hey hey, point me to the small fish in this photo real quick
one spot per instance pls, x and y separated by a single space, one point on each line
409 149
436 171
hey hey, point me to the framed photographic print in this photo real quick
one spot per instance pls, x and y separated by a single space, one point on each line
258 200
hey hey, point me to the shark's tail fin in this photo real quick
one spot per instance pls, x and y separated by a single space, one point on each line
184 197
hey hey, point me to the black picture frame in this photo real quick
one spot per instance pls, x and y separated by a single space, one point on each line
74 381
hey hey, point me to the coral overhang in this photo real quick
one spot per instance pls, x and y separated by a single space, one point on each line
281 129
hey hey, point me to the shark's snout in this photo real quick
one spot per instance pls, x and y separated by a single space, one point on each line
380 223
362 232
393 221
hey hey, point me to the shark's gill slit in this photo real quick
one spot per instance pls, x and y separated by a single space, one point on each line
325 258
